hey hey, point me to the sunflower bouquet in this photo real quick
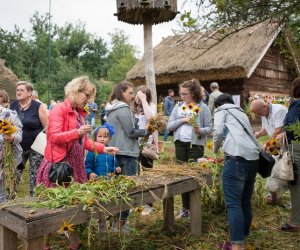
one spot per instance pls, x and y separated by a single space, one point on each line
7 129
273 146
194 110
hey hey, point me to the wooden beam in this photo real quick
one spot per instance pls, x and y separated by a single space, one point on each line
195 208
168 211
8 239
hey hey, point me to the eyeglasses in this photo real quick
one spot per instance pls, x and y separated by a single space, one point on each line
184 94
86 95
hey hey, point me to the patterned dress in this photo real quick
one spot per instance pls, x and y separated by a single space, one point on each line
75 157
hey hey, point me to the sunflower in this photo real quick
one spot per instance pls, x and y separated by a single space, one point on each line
209 145
191 105
138 209
196 109
87 109
184 108
67 226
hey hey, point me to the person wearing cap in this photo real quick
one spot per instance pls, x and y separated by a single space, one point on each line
101 164
215 92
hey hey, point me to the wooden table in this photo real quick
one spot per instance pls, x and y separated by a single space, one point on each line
17 219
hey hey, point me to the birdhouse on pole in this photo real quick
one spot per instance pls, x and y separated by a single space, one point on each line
147 12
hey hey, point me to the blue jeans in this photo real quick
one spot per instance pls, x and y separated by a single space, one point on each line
129 167
128 164
166 134
238 179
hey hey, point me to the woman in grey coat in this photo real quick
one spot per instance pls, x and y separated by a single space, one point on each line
14 140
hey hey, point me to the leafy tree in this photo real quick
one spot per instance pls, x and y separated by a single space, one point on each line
94 58
121 58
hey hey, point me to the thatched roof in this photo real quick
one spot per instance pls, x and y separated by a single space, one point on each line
181 57
8 80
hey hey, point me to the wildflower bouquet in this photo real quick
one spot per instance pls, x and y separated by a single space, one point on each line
156 123
7 129
193 110
273 146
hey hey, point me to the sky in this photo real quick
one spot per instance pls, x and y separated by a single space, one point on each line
96 14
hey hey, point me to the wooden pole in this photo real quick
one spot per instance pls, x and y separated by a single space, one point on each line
148 57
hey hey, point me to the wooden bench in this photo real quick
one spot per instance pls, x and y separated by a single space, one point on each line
31 226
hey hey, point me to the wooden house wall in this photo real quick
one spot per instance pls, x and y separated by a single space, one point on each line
271 75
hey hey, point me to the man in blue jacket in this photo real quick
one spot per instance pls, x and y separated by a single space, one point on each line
168 107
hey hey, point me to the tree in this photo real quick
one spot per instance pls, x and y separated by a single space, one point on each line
121 58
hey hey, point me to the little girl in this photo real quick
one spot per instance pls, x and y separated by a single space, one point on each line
101 164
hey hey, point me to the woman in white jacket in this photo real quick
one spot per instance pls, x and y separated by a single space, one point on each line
232 126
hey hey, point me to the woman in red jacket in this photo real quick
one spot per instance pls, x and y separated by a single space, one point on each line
67 135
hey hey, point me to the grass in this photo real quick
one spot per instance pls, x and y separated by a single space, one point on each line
147 233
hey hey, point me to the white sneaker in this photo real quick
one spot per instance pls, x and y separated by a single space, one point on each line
184 213
147 210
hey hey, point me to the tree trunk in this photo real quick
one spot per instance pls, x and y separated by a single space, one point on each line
148 58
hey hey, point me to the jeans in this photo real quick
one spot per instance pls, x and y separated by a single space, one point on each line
129 167
185 153
128 164
238 180
166 134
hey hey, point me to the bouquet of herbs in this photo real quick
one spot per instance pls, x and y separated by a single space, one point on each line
7 129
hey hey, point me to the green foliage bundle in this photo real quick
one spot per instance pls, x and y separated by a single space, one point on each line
90 194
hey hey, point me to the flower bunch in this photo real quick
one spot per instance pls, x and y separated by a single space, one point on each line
272 146
156 123
195 110
87 109
7 129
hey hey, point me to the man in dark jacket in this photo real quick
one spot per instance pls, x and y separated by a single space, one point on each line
168 107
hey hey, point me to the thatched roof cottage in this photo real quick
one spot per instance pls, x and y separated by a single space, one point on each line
244 63
8 80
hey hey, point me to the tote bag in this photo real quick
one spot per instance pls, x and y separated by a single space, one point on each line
40 142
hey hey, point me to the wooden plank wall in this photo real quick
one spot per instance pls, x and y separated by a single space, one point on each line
271 75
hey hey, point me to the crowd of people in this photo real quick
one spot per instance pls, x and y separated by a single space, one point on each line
71 130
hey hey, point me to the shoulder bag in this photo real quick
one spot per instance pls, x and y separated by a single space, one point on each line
40 142
266 161
283 169
150 151
60 172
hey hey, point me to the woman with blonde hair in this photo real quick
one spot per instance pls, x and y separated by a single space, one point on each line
67 137
34 118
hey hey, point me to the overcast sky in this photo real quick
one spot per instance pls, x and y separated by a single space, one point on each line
96 14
